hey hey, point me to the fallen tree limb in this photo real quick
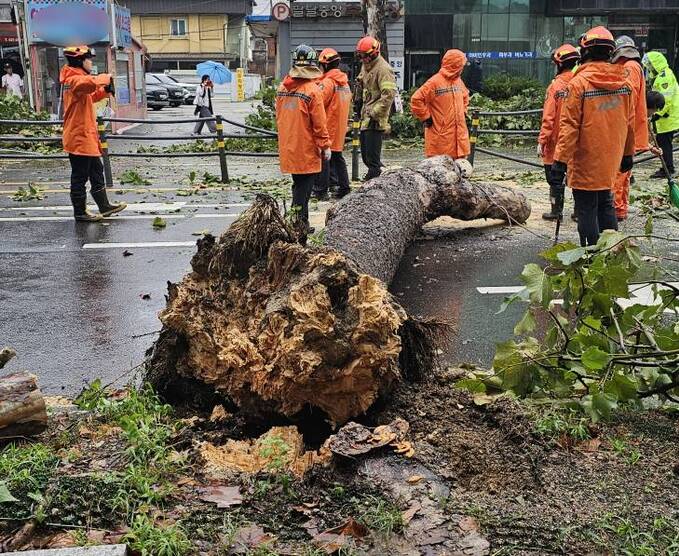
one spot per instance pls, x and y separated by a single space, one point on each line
277 327
22 406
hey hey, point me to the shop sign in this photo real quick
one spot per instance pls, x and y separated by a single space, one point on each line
64 23
240 84
123 27
398 65
325 10
494 55
8 33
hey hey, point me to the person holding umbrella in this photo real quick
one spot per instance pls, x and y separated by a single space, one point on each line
203 104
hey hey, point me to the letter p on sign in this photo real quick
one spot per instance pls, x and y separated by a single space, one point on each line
280 11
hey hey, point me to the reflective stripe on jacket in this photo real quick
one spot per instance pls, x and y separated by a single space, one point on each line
81 91
597 126
444 98
551 114
302 127
379 89
337 102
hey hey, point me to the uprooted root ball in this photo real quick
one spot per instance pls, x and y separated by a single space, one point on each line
277 327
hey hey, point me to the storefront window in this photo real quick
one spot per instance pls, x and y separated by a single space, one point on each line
498 6
494 31
519 6
520 33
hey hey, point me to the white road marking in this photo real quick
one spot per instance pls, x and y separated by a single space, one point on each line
139 245
494 290
135 207
640 294
67 218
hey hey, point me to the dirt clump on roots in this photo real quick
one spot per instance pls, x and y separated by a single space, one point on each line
276 327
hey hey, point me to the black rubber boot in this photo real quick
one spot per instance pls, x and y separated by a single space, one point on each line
341 193
80 212
105 207
551 215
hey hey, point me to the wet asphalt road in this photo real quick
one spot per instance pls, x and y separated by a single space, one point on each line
76 308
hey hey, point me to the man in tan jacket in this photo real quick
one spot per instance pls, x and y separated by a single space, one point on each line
378 86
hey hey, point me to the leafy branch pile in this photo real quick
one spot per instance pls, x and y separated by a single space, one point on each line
602 348
13 108
201 146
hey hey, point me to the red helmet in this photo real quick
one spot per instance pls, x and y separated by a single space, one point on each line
599 36
81 51
565 53
368 48
328 55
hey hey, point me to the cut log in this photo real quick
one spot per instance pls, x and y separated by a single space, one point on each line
22 406
277 327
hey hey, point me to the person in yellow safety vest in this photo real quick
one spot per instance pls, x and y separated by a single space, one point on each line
662 79
378 86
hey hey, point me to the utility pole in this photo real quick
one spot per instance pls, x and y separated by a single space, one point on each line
374 14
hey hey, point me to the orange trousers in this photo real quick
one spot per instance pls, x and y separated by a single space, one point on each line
621 194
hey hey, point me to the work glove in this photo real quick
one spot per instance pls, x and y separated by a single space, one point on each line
109 88
657 151
627 163
539 150
428 122
327 154
559 171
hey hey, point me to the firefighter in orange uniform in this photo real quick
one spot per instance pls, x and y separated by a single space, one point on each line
441 104
596 136
565 58
627 55
80 136
303 138
337 103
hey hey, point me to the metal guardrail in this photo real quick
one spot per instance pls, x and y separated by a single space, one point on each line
477 130
107 155
104 138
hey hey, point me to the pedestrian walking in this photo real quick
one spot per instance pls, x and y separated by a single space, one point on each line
80 136
378 89
303 138
441 105
596 136
628 56
474 76
565 58
203 104
666 121
337 104
12 84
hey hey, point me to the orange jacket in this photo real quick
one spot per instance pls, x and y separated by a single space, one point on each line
597 125
81 91
551 114
444 98
635 76
337 102
302 126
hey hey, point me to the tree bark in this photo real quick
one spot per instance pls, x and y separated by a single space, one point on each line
374 22
280 328
375 227
22 406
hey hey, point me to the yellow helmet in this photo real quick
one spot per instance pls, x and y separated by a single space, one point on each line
81 51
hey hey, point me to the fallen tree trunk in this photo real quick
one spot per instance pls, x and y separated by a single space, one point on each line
22 406
277 327
375 228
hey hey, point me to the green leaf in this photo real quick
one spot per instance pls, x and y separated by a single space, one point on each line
473 385
602 405
533 277
552 253
622 387
648 227
572 256
595 359
526 325
159 222
5 494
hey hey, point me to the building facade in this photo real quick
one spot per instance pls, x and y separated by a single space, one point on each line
339 25
180 34
518 36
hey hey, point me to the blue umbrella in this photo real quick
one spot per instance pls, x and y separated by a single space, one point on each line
217 72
